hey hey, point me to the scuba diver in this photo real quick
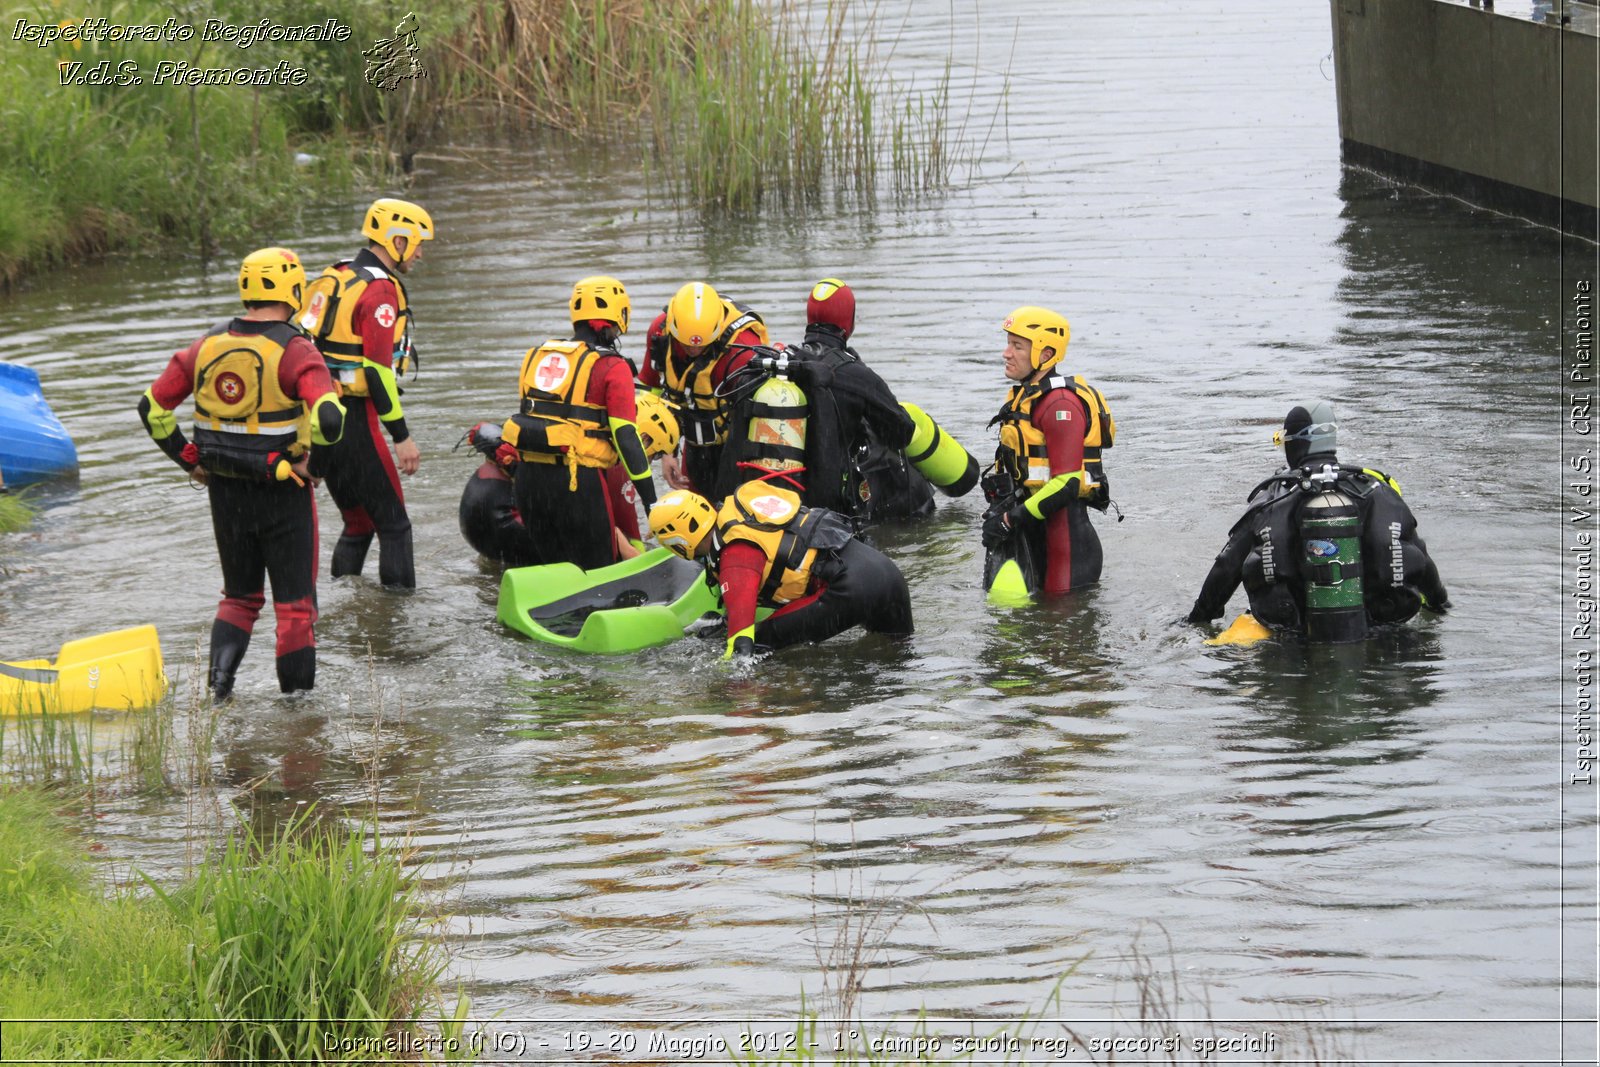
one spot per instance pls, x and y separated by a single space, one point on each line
488 513
690 349
764 548
577 418
1330 548
820 420
265 414
1047 471
357 313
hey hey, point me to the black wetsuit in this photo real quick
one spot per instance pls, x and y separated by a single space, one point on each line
860 587
566 525
1265 551
490 520
365 485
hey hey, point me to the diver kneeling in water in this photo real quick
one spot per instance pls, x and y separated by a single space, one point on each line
1330 548
764 548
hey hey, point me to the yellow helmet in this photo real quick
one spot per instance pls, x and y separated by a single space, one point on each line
681 520
273 274
694 314
658 425
388 219
1044 328
600 296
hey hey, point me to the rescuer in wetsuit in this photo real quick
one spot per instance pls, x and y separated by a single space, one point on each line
578 417
358 313
1048 470
764 548
866 474
1329 549
690 350
265 413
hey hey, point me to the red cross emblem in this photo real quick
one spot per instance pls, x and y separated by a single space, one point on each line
314 311
384 315
551 371
230 387
770 507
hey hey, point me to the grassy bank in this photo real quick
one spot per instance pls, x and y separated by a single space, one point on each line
86 168
315 927
733 104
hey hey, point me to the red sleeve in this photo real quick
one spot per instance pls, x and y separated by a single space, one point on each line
612 386
1064 420
648 374
738 355
740 568
379 302
177 381
302 373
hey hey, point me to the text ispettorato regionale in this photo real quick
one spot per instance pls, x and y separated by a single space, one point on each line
96 29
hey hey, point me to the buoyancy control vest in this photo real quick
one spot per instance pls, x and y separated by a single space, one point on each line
557 422
330 320
790 534
688 386
241 413
1022 448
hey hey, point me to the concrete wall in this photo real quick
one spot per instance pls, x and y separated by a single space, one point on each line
1467 93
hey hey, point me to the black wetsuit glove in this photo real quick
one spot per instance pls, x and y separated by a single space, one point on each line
995 532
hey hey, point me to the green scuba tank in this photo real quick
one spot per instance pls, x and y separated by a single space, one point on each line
1330 531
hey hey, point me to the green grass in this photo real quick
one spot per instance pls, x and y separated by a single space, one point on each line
68 951
318 926
15 512
85 169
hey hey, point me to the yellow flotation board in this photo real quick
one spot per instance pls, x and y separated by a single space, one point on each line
118 671
1244 631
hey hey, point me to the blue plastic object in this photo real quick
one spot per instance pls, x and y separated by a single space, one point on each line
34 446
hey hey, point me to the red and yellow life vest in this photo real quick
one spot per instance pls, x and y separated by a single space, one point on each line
688 386
1022 449
557 422
773 519
241 413
329 317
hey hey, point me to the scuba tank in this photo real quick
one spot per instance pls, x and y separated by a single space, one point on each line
777 431
938 456
1330 531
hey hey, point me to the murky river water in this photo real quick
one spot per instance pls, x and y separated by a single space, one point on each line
1369 834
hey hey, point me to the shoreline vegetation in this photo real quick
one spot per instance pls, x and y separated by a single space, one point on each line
303 947
734 104
303 939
